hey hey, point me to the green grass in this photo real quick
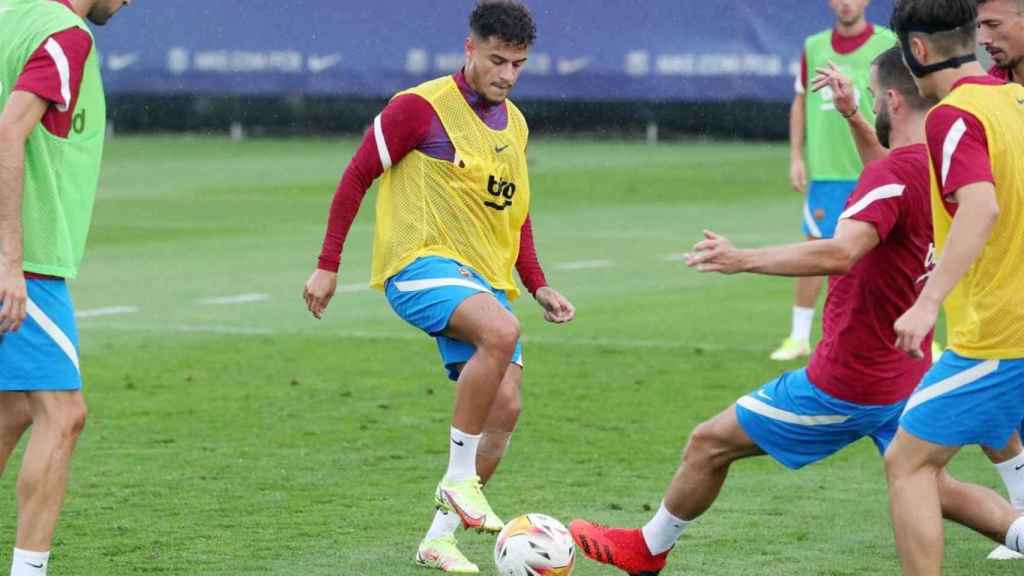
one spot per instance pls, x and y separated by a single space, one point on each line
251 439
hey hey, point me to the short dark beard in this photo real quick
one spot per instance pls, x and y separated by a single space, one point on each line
883 124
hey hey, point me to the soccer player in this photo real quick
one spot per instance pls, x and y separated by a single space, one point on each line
857 381
832 163
51 140
1001 34
452 223
1009 461
971 395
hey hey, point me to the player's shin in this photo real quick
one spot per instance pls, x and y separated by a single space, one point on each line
493 446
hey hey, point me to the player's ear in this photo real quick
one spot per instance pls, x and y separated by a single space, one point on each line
919 48
894 100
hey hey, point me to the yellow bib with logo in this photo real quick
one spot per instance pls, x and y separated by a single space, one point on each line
985 312
470 210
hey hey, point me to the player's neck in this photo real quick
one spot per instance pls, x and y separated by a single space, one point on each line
947 79
912 132
1018 72
82 7
851 30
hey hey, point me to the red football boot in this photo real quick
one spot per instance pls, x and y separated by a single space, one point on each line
624 549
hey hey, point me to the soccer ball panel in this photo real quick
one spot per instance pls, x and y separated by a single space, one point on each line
534 545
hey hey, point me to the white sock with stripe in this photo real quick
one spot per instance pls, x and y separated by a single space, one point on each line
461 455
803 319
1012 472
29 563
663 530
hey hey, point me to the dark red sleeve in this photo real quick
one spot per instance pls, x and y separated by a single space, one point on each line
958 147
877 199
402 125
54 73
527 264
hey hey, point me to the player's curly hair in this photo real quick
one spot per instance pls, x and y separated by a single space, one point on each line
507 20
957 17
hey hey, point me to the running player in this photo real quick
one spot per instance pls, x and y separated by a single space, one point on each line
857 381
976 149
452 223
832 162
51 142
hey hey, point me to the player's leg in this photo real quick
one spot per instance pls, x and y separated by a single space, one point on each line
960 401
58 418
712 447
439 548
15 418
1009 462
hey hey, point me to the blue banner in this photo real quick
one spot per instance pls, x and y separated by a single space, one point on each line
599 50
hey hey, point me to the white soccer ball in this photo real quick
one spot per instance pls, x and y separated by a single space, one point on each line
534 545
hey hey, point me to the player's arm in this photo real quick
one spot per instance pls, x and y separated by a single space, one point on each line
20 116
844 96
399 129
837 255
959 147
557 308
797 130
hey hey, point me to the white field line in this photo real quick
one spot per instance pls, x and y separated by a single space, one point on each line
585 265
345 288
237 299
219 329
110 311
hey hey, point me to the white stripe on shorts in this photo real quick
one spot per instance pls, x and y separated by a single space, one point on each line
812 226
952 383
758 407
53 331
417 285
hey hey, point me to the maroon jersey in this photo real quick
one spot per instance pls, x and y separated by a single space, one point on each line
1005 74
857 360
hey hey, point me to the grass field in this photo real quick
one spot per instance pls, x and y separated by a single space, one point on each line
244 437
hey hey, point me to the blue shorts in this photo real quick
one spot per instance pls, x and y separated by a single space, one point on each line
426 294
43 353
826 200
797 423
962 401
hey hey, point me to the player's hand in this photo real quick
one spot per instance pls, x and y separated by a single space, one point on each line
798 175
844 95
913 327
557 308
319 290
715 253
13 297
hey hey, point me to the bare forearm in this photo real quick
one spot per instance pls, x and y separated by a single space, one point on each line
12 173
818 258
796 128
864 135
968 235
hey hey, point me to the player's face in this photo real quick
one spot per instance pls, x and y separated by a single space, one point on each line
493 66
104 10
883 119
848 12
1001 31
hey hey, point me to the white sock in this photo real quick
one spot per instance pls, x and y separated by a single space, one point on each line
1012 472
28 563
1015 536
803 318
663 530
461 455
444 524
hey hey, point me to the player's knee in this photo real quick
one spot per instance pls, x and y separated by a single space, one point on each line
706 446
72 419
502 336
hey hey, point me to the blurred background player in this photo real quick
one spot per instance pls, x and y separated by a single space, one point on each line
452 223
857 381
971 395
49 171
832 165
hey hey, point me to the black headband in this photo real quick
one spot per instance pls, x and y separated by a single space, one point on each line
920 70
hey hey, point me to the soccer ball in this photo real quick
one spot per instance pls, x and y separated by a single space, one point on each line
534 545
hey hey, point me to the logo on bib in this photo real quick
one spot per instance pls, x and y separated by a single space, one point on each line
502 190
